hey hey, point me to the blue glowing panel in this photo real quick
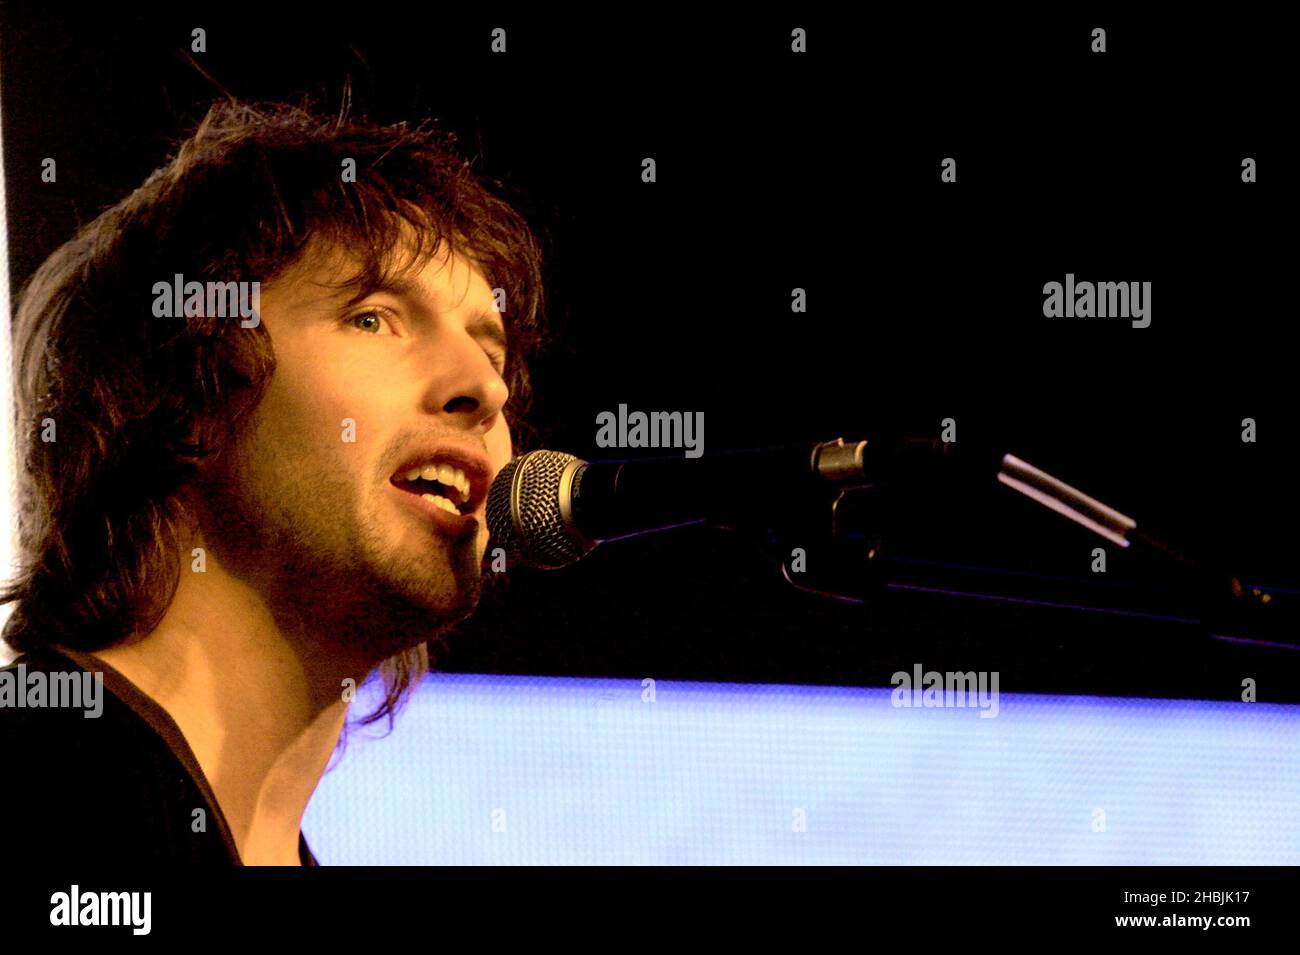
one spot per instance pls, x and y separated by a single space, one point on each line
530 770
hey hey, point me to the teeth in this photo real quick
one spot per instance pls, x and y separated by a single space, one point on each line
442 502
447 475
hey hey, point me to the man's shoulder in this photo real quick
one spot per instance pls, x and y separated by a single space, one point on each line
63 732
88 777
46 701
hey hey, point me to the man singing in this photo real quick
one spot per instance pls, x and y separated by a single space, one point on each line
234 517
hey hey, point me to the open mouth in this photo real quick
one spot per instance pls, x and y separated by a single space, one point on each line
444 485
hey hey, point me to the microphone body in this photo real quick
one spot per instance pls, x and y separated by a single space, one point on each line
548 509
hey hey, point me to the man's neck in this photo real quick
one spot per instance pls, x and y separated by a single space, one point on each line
261 713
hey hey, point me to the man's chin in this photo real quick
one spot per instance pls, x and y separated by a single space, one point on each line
443 595
445 608
402 614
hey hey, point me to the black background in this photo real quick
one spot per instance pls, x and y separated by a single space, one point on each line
818 171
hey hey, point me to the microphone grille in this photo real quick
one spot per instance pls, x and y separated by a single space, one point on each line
523 512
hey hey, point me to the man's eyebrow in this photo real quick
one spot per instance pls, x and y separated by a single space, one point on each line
402 288
484 324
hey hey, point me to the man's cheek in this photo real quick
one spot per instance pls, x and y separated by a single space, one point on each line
499 446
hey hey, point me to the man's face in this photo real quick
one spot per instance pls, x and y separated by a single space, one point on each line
316 507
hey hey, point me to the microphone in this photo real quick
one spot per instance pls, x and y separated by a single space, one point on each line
549 509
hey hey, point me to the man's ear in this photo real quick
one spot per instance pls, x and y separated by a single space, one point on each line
197 448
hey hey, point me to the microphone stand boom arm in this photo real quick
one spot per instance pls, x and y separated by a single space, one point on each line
854 562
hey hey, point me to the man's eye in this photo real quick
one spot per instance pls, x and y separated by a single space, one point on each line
371 322
498 360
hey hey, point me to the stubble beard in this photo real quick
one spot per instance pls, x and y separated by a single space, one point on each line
318 552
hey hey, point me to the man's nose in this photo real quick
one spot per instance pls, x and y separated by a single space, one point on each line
464 384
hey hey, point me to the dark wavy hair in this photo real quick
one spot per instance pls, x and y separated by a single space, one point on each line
137 402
